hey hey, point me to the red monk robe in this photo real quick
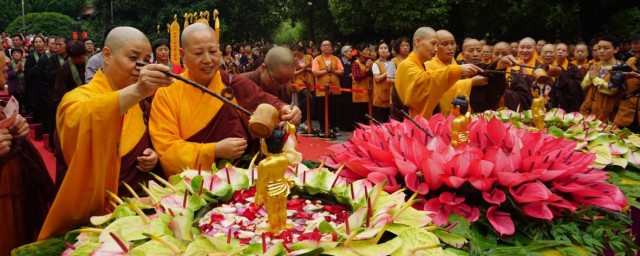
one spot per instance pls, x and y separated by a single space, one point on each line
91 129
26 192
186 123
418 89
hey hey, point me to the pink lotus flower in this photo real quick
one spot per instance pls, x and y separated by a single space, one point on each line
543 175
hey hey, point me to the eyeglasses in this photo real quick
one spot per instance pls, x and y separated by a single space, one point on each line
278 80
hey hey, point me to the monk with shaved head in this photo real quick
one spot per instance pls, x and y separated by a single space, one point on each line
566 92
275 74
418 90
487 97
518 96
102 133
189 128
444 58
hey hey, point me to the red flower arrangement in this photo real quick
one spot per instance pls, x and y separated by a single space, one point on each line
543 175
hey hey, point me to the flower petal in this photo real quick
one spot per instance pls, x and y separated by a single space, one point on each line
500 221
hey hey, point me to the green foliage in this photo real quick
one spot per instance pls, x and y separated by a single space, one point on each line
289 33
625 22
12 9
49 23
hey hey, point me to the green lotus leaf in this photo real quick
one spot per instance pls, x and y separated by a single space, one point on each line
414 238
153 247
85 249
132 228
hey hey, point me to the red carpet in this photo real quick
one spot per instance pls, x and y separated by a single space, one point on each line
48 157
313 149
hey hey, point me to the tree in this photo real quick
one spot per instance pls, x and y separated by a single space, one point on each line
49 23
240 20
12 9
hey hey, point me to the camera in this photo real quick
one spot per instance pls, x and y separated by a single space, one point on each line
617 79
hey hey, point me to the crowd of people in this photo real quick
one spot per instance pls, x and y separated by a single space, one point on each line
114 115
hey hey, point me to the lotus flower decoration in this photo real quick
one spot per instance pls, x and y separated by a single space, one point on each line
543 175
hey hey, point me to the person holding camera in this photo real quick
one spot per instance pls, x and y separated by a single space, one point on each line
627 115
602 100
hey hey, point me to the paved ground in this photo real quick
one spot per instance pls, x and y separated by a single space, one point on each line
343 134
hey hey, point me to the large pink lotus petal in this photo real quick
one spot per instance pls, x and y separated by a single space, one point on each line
432 168
449 198
564 204
496 196
413 183
507 179
500 221
612 191
567 186
538 210
470 213
604 202
377 177
496 131
452 181
482 184
530 192
440 211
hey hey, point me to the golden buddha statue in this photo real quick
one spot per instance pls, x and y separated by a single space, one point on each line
272 188
538 110
459 130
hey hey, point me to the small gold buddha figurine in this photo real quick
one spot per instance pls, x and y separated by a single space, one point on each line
459 129
272 188
538 110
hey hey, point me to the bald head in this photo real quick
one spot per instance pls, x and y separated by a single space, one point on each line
471 42
444 34
527 40
196 28
423 33
548 53
279 57
120 36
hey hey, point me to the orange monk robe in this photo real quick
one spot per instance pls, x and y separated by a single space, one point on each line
462 86
420 90
89 126
175 152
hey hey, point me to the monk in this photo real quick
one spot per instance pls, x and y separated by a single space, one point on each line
514 48
601 100
500 50
538 53
92 120
518 95
419 90
276 73
487 97
444 57
580 58
566 93
26 188
627 115
189 128
486 56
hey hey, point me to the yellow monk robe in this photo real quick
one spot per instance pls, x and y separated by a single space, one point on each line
176 153
420 90
181 112
462 86
89 126
531 63
564 64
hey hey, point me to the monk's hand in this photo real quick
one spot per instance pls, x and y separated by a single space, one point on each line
290 114
479 80
635 75
5 142
593 71
469 70
369 64
147 161
506 61
20 128
152 77
230 148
